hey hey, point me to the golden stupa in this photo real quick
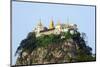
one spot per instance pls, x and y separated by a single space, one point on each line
51 26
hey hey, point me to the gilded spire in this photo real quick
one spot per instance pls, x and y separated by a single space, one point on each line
58 26
51 26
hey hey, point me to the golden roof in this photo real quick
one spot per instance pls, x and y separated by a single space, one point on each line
51 26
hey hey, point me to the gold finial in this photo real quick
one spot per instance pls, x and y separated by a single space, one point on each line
51 25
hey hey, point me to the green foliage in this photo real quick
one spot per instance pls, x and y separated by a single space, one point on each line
48 40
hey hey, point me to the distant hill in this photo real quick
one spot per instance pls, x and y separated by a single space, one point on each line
61 48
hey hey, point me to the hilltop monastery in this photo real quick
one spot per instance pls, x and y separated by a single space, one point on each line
57 29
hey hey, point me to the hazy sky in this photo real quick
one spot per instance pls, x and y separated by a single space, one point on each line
25 17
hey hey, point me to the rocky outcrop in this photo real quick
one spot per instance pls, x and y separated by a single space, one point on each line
54 49
53 53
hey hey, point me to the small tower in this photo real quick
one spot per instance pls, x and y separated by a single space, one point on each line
58 26
40 24
39 27
51 26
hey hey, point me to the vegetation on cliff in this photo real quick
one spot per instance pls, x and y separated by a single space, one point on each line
53 48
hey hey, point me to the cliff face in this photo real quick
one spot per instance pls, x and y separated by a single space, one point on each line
70 48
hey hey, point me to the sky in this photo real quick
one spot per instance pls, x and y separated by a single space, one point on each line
26 15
